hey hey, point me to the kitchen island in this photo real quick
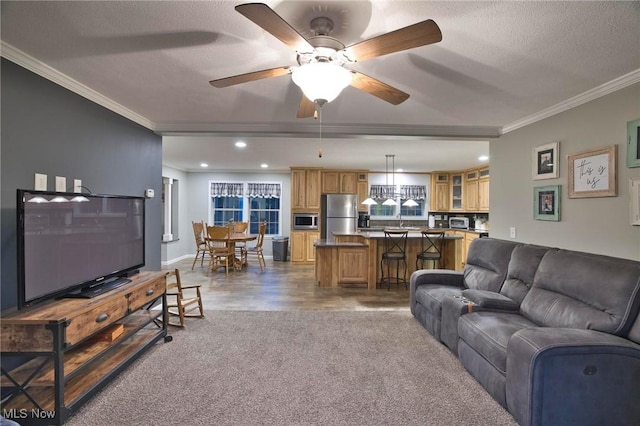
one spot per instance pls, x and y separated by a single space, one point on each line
353 260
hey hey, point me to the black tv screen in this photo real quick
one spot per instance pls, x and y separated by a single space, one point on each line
70 242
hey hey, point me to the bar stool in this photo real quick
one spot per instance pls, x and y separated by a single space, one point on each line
395 251
431 244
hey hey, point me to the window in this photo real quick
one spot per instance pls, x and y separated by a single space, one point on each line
252 202
226 202
380 193
264 202
417 193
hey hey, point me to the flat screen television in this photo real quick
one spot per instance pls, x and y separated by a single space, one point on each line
76 245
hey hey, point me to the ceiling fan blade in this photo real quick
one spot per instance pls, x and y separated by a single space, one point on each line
416 35
266 18
378 88
251 76
307 108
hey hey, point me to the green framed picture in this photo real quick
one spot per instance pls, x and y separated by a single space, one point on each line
546 203
633 143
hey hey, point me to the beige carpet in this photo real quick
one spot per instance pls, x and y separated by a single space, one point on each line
296 368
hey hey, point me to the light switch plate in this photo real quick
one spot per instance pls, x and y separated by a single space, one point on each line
512 232
40 182
61 184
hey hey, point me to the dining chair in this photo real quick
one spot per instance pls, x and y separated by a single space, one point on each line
257 249
202 249
431 244
240 228
221 252
395 251
182 300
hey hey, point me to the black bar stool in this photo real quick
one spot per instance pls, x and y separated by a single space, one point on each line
431 244
395 250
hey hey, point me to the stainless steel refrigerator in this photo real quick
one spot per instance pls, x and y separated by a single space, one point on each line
338 213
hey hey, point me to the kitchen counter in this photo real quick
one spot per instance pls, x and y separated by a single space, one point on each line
353 260
485 232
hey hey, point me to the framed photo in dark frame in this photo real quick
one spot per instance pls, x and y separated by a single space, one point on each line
546 203
545 161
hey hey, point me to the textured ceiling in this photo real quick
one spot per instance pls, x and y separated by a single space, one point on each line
498 64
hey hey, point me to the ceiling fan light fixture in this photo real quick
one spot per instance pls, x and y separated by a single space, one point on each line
321 81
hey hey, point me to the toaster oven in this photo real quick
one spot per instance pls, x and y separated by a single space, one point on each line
457 222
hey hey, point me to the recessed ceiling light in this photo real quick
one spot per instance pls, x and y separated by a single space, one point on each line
241 144
264 166
399 170
483 158
204 165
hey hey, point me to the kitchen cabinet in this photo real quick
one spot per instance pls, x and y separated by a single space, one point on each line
363 194
305 189
456 186
439 201
302 246
339 182
483 190
471 190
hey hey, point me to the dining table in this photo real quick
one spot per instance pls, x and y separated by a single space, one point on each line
232 240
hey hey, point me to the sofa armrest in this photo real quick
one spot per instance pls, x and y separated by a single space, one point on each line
491 300
572 376
433 276
436 276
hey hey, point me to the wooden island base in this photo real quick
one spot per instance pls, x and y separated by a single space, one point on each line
353 260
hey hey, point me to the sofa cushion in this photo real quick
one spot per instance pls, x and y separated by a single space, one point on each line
487 262
488 333
430 296
580 290
522 270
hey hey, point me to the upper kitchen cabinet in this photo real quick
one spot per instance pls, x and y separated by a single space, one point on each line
363 188
464 191
483 189
339 182
471 190
439 192
456 186
305 189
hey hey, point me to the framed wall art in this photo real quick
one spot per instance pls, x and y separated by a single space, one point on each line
593 173
546 203
633 143
545 161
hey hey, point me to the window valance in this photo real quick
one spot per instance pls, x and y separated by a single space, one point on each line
413 192
263 190
224 189
382 192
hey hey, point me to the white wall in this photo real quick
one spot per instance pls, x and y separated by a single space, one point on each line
597 225
185 245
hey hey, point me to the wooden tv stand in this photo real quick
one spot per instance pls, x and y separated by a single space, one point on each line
75 354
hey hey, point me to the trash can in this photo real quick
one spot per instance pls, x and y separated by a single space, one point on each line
280 249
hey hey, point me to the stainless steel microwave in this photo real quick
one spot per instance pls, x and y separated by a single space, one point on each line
305 221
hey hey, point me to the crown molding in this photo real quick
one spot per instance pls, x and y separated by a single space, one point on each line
341 131
32 64
590 95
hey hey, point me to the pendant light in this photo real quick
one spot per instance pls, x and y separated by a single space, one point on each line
391 200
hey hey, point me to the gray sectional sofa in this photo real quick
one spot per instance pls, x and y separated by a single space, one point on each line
553 335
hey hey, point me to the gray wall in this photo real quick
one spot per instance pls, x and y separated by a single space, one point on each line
195 206
48 129
597 225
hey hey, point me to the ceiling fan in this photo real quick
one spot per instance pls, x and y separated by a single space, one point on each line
321 73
